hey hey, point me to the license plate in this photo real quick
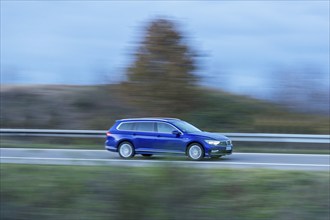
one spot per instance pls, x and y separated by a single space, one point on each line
228 148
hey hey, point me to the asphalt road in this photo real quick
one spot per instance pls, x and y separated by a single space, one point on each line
103 157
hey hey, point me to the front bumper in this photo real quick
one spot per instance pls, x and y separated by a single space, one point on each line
220 151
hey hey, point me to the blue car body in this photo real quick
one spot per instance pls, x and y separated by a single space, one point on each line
165 135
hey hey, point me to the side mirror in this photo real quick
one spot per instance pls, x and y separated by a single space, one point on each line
176 133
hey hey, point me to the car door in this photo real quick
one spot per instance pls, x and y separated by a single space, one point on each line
144 136
167 141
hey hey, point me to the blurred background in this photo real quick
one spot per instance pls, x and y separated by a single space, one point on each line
242 66
224 66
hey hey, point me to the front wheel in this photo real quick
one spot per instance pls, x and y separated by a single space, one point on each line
126 150
195 151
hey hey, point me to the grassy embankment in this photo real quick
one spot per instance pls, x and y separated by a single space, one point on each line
71 192
97 107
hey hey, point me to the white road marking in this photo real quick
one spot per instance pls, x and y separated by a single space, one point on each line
155 161
280 154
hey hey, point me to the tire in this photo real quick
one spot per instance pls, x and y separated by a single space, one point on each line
146 155
195 151
126 150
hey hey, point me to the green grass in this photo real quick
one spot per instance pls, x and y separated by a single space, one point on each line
22 144
226 112
83 192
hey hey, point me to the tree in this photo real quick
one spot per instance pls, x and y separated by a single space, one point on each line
162 77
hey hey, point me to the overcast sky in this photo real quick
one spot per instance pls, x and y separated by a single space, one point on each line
79 42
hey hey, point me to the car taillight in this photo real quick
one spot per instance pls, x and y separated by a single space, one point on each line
108 133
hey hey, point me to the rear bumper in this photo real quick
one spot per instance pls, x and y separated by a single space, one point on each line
110 148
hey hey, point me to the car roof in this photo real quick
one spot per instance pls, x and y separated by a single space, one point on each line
148 119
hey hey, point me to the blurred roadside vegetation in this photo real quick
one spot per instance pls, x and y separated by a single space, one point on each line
92 192
97 107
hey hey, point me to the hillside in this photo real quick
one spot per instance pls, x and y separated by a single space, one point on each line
96 107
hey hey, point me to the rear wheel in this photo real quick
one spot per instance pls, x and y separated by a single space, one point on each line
195 151
126 150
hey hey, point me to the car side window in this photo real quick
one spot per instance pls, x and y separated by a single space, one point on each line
165 128
126 126
145 126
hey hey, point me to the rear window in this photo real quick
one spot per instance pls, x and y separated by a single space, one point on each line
126 126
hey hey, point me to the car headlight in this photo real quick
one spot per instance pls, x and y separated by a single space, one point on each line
212 142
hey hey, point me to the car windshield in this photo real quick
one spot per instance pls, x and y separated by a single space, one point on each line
186 127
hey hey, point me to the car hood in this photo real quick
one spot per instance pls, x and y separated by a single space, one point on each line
215 136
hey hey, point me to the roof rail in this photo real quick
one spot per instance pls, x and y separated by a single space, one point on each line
149 118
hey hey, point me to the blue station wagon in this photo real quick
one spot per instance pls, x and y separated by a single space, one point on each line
148 136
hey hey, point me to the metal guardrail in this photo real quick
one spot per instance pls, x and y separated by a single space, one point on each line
284 138
246 137
53 133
